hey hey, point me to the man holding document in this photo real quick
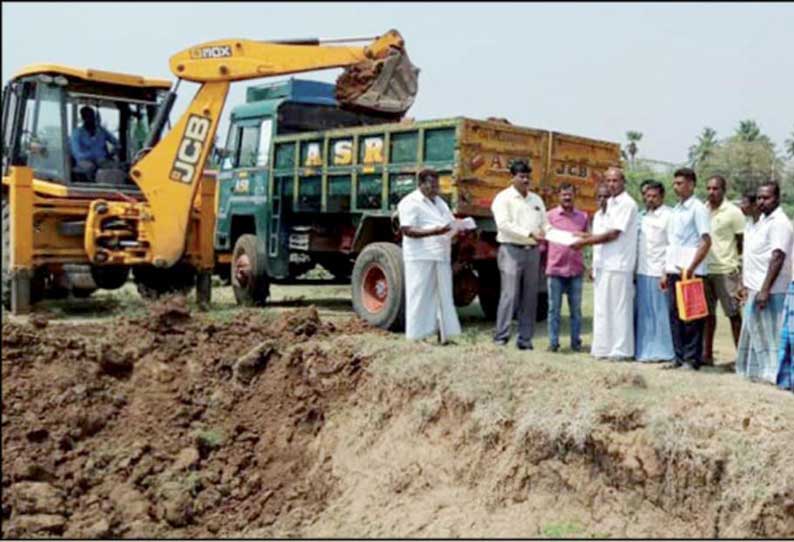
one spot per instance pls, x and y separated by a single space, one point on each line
428 226
688 235
613 291
565 266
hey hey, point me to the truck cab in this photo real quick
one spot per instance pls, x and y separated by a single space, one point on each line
248 204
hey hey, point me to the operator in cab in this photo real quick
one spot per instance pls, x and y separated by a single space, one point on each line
89 144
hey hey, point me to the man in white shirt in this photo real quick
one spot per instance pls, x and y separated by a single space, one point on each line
520 217
613 292
653 338
689 242
766 275
426 225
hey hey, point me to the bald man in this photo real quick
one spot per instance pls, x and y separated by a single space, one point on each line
613 291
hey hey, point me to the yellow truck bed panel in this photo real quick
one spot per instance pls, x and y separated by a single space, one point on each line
486 149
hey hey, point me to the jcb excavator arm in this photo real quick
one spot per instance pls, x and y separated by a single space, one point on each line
170 174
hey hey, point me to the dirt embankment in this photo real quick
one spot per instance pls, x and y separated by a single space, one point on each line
167 425
173 425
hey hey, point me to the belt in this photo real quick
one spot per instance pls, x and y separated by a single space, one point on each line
525 247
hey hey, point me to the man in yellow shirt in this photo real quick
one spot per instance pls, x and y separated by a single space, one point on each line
724 279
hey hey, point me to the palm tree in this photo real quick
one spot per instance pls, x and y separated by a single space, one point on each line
707 142
748 131
634 138
788 146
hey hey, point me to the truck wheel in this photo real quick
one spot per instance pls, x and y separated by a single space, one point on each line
378 283
153 282
250 281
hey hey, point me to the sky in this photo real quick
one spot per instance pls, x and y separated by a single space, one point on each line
590 69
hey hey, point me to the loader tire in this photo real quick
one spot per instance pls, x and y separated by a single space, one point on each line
37 281
378 284
250 281
110 277
153 282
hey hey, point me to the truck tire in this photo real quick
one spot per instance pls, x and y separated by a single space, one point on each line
153 282
250 280
378 284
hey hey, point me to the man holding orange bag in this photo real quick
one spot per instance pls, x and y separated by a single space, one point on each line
688 234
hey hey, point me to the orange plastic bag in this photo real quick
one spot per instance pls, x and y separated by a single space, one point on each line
690 297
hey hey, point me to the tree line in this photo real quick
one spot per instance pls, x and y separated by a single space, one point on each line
746 158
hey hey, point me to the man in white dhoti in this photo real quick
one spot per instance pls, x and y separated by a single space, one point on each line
613 293
766 274
426 226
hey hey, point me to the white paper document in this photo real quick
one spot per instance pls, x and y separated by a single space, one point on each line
461 224
561 237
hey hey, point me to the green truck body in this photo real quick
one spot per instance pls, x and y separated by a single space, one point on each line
303 182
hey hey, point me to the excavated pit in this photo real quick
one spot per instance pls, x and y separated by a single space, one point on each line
176 425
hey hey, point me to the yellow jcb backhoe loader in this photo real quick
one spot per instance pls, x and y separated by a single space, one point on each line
91 190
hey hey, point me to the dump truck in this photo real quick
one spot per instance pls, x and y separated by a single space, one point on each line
141 201
303 182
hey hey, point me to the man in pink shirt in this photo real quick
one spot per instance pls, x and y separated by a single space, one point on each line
564 269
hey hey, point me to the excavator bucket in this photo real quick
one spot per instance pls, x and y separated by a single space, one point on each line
384 86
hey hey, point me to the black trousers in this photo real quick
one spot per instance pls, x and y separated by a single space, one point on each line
687 336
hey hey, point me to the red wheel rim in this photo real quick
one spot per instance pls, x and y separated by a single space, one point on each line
374 288
242 269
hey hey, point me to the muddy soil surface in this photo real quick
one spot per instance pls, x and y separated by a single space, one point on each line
271 424
167 425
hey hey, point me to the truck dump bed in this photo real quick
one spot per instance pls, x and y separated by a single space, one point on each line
486 148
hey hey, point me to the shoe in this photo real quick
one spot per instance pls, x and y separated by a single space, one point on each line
552 348
672 365
709 362
688 366
577 348
524 346
500 342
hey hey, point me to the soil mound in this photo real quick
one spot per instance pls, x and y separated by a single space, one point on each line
143 427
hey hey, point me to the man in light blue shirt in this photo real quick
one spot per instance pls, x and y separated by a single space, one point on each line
89 144
688 235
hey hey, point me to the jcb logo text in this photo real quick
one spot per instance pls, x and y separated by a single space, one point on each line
189 151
